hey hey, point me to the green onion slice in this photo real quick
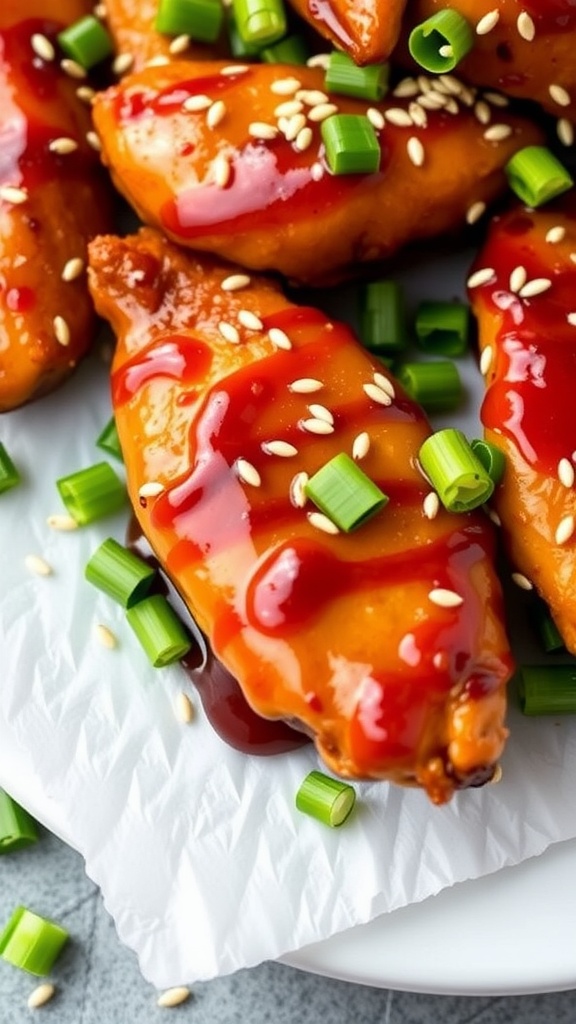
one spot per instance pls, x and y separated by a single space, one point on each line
200 19
382 318
159 630
32 942
109 441
491 457
87 41
345 78
435 386
119 573
550 636
291 50
536 176
260 21
442 327
238 48
17 828
343 492
547 689
9 475
351 144
442 41
92 493
328 800
454 471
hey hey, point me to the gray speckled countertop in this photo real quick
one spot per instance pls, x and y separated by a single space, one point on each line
98 982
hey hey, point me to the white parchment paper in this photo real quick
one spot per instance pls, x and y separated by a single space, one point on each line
203 860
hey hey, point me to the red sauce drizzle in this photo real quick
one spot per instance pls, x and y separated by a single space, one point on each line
180 357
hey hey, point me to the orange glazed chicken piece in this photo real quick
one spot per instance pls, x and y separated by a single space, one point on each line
52 200
366 30
132 26
232 162
523 292
386 644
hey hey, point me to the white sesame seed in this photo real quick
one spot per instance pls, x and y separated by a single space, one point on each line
497 132
93 141
285 86
38 565
559 95
283 449
248 473
298 495
431 101
497 776
572 257
451 105
319 60
398 117
525 26
487 23
480 277
565 131
234 69
415 151
566 474
407 88
99 11
565 529
496 99
535 287
235 282
360 446
384 383
173 996
492 515
123 62
475 212
179 44
486 360
12 194
321 522
375 116
320 412
425 83
105 636
522 581
42 47
571 318
61 330
229 332
312 97
303 140
482 112
452 84
41 995
305 385
184 708
63 145
321 111
215 113
73 69
376 394
292 126
261 130
279 338
73 268
317 426
316 172
62 522
249 320
157 62
431 505
222 169
85 93
289 108
555 234
518 279
151 489
444 598
419 115
196 103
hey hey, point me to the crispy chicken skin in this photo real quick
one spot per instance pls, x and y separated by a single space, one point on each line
131 24
528 410
51 203
529 53
365 29
339 632
210 181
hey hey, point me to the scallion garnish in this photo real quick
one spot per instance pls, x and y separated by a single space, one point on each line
291 50
119 573
92 493
345 78
491 457
238 48
17 828
343 492
9 475
87 41
200 19
442 327
435 386
547 689
536 175
260 22
383 325
109 441
455 472
32 942
547 629
159 630
439 43
326 799
351 144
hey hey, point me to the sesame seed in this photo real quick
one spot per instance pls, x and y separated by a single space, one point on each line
93 141
535 287
385 384
12 194
179 44
316 426
157 62
99 11
496 99
85 93
376 394
431 505
282 448
73 268
222 169
248 473
555 234
261 130
303 140
285 86
321 522
497 776
522 581
492 515
518 279
360 446
72 68
451 106
565 131
321 111
406 88
61 330
452 84
525 26
62 522
288 108
320 412
292 126
196 103
559 95
123 62
444 598
375 116
279 338
63 145
425 83
41 995
486 360
249 320
566 474
173 996
431 101
482 112
42 46
305 385
564 530
480 277
419 115
497 132
312 97
571 318
316 172
298 495
487 23
184 708
467 96
38 565
229 332
475 212
415 151
234 69
215 113
151 489
235 282
319 60
105 636
398 117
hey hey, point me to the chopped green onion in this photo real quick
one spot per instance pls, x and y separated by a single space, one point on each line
536 176
547 689
345 78
200 19
87 41
435 386
238 48
440 43
9 475
17 828
455 472
328 800
92 493
119 573
491 457
442 327
547 629
291 50
31 942
343 492
351 144
260 21
382 317
159 630
109 441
